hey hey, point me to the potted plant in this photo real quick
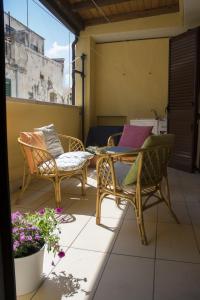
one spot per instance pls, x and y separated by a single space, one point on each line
31 233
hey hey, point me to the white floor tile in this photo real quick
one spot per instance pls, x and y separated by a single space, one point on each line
98 237
194 212
109 208
129 272
75 277
150 215
32 199
84 205
197 234
176 280
128 241
126 278
25 297
176 242
50 261
71 228
179 208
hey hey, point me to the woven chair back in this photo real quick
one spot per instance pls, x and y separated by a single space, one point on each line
153 165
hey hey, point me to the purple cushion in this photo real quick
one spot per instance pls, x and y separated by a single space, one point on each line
134 136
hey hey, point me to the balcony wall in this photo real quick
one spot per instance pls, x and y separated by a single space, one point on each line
132 78
24 115
127 66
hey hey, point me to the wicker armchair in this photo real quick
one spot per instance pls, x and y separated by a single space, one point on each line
112 139
44 165
151 181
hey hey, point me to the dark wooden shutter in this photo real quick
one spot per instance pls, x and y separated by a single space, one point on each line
182 105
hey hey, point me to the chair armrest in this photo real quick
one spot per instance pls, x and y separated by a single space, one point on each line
105 172
73 143
35 156
111 140
125 156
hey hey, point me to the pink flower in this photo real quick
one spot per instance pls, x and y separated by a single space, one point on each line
58 210
16 216
61 254
15 229
37 237
22 237
41 211
15 245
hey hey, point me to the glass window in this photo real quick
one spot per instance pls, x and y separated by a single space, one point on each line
9 29
8 87
38 54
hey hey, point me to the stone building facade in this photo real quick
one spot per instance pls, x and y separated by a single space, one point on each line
29 74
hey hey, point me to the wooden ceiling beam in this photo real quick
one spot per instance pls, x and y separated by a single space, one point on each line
78 6
134 15
63 12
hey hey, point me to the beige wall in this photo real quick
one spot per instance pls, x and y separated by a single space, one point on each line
86 46
126 78
131 78
24 115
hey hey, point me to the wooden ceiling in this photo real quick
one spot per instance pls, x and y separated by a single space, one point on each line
77 14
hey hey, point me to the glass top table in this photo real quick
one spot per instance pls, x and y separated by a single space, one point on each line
98 151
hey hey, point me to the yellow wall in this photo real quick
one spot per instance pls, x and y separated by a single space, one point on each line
131 78
126 78
24 115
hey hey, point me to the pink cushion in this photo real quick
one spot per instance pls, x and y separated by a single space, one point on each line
134 136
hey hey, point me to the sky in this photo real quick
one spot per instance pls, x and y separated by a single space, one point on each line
55 34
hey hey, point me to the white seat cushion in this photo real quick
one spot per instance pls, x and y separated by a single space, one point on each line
77 154
68 161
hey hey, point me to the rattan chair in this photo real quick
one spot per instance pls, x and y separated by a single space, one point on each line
151 181
45 165
112 139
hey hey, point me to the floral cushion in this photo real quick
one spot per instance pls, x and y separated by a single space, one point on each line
69 161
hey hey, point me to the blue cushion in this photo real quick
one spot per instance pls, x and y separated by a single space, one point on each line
121 170
118 149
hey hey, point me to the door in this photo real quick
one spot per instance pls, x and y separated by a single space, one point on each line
182 102
7 276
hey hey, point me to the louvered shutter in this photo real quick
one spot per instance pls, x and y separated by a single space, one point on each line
182 105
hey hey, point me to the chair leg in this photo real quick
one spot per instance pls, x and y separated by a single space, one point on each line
85 174
98 207
167 200
117 200
57 192
83 182
139 218
25 183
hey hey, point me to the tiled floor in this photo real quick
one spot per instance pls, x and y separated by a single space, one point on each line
108 262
